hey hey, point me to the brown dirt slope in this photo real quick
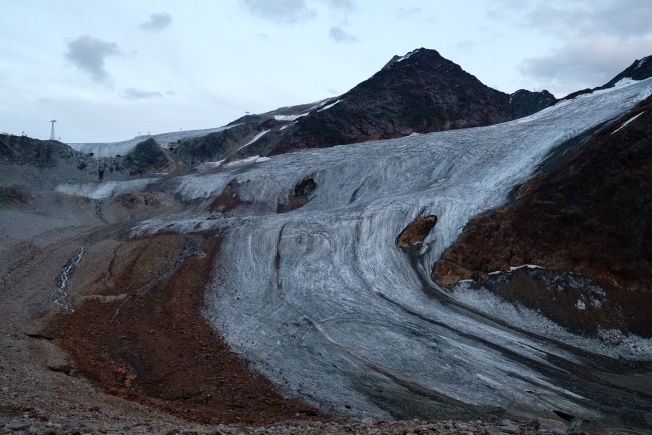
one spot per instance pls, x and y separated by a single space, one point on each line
590 217
140 335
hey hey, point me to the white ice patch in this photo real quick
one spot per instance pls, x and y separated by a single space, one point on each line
258 136
289 117
328 106
640 63
625 82
402 58
627 122
103 190
209 165
528 266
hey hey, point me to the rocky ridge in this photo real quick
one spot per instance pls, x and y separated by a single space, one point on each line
420 92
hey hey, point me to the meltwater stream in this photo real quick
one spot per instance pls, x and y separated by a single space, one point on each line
323 303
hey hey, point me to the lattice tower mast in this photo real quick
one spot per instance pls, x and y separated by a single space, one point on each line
52 131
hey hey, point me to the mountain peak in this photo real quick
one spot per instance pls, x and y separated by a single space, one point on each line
640 69
420 55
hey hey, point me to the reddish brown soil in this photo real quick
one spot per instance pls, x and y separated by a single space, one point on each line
143 338
416 232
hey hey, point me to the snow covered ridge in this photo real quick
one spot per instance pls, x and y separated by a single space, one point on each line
112 149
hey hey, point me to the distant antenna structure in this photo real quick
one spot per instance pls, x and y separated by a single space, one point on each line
52 137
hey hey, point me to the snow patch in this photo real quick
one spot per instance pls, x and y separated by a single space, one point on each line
640 63
402 58
289 117
625 82
258 136
252 159
627 122
328 106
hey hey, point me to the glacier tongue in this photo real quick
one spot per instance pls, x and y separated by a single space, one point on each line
324 303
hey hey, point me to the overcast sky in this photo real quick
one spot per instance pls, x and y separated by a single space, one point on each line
108 70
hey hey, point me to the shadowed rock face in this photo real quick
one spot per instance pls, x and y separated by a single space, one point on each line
589 217
639 70
23 150
421 92
147 156
416 232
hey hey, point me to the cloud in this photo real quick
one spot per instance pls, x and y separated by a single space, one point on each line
595 40
622 18
157 22
137 94
339 35
279 11
586 62
466 46
343 5
405 13
89 54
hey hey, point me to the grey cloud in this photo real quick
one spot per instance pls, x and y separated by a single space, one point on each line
157 22
339 35
466 46
404 13
137 94
279 11
345 5
587 62
89 54
623 18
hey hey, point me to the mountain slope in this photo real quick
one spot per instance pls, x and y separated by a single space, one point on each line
587 215
315 266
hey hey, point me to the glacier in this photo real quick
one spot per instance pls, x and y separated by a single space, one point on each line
324 304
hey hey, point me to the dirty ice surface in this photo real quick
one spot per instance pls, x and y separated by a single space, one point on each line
323 303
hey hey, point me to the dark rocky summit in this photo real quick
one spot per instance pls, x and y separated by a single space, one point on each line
23 150
17 151
639 70
146 156
420 92
587 216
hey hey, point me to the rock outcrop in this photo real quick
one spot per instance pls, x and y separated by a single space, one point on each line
23 150
147 156
640 69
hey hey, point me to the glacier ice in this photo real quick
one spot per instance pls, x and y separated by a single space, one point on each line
326 306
